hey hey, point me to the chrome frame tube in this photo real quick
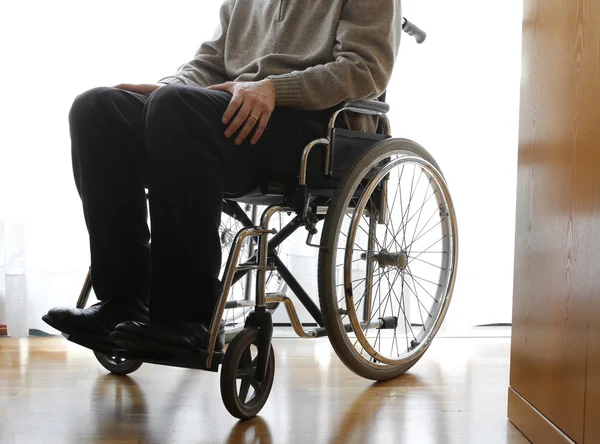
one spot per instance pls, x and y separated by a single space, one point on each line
239 304
383 211
327 142
367 112
306 153
293 315
234 255
251 251
369 280
84 294
263 253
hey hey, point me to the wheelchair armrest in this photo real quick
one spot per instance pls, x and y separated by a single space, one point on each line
374 106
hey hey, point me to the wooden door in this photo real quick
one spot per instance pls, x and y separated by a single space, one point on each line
554 363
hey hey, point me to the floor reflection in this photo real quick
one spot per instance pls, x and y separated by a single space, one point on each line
254 431
367 418
118 405
55 393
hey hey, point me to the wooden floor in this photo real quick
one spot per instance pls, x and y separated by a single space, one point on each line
52 391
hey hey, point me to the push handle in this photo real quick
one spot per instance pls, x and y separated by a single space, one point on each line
413 30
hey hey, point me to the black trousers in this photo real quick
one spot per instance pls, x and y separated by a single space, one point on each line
173 144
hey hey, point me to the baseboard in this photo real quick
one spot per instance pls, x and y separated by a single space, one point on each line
532 423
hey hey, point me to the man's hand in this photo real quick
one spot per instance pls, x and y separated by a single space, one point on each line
144 89
252 104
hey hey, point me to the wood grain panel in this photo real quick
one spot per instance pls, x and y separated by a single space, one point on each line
592 407
592 421
591 86
557 225
532 423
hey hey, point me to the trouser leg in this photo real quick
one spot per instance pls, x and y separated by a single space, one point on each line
109 165
191 163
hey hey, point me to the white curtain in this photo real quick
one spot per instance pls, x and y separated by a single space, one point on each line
457 95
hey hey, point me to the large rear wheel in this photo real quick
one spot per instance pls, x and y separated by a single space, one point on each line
387 271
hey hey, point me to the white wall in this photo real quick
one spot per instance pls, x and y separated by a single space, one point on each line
457 95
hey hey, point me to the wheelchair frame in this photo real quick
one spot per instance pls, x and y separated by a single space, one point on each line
266 248
209 359
310 205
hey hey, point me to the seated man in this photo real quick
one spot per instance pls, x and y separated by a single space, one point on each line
240 112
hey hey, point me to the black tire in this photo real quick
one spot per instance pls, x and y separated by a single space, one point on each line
326 279
240 347
117 366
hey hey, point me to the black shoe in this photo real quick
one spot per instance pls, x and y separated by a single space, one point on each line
97 322
165 337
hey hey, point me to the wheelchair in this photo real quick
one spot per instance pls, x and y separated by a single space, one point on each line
387 261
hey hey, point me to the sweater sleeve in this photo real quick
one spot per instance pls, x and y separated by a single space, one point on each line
207 67
367 42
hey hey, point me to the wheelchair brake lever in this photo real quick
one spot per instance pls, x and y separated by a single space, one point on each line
312 230
310 222
309 240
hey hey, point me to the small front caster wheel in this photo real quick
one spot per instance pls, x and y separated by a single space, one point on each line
242 394
116 365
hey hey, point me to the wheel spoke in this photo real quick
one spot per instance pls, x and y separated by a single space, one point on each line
366 328
244 389
380 275
355 280
365 231
416 296
420 210
425 280
391 221
419 284
419 308
259 388
426 223
415 240
428 263
388 296
411 195
391 250
245 367
427 250
355 260
406 320
401 203
406 323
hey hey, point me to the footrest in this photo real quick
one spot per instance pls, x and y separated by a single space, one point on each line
195 359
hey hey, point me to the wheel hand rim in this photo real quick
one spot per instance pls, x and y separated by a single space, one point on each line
420 341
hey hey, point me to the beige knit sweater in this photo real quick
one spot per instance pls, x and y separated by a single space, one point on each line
318 53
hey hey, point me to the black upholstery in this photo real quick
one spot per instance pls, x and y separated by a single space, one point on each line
346 147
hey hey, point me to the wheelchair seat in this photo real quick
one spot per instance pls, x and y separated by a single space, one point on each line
346 147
